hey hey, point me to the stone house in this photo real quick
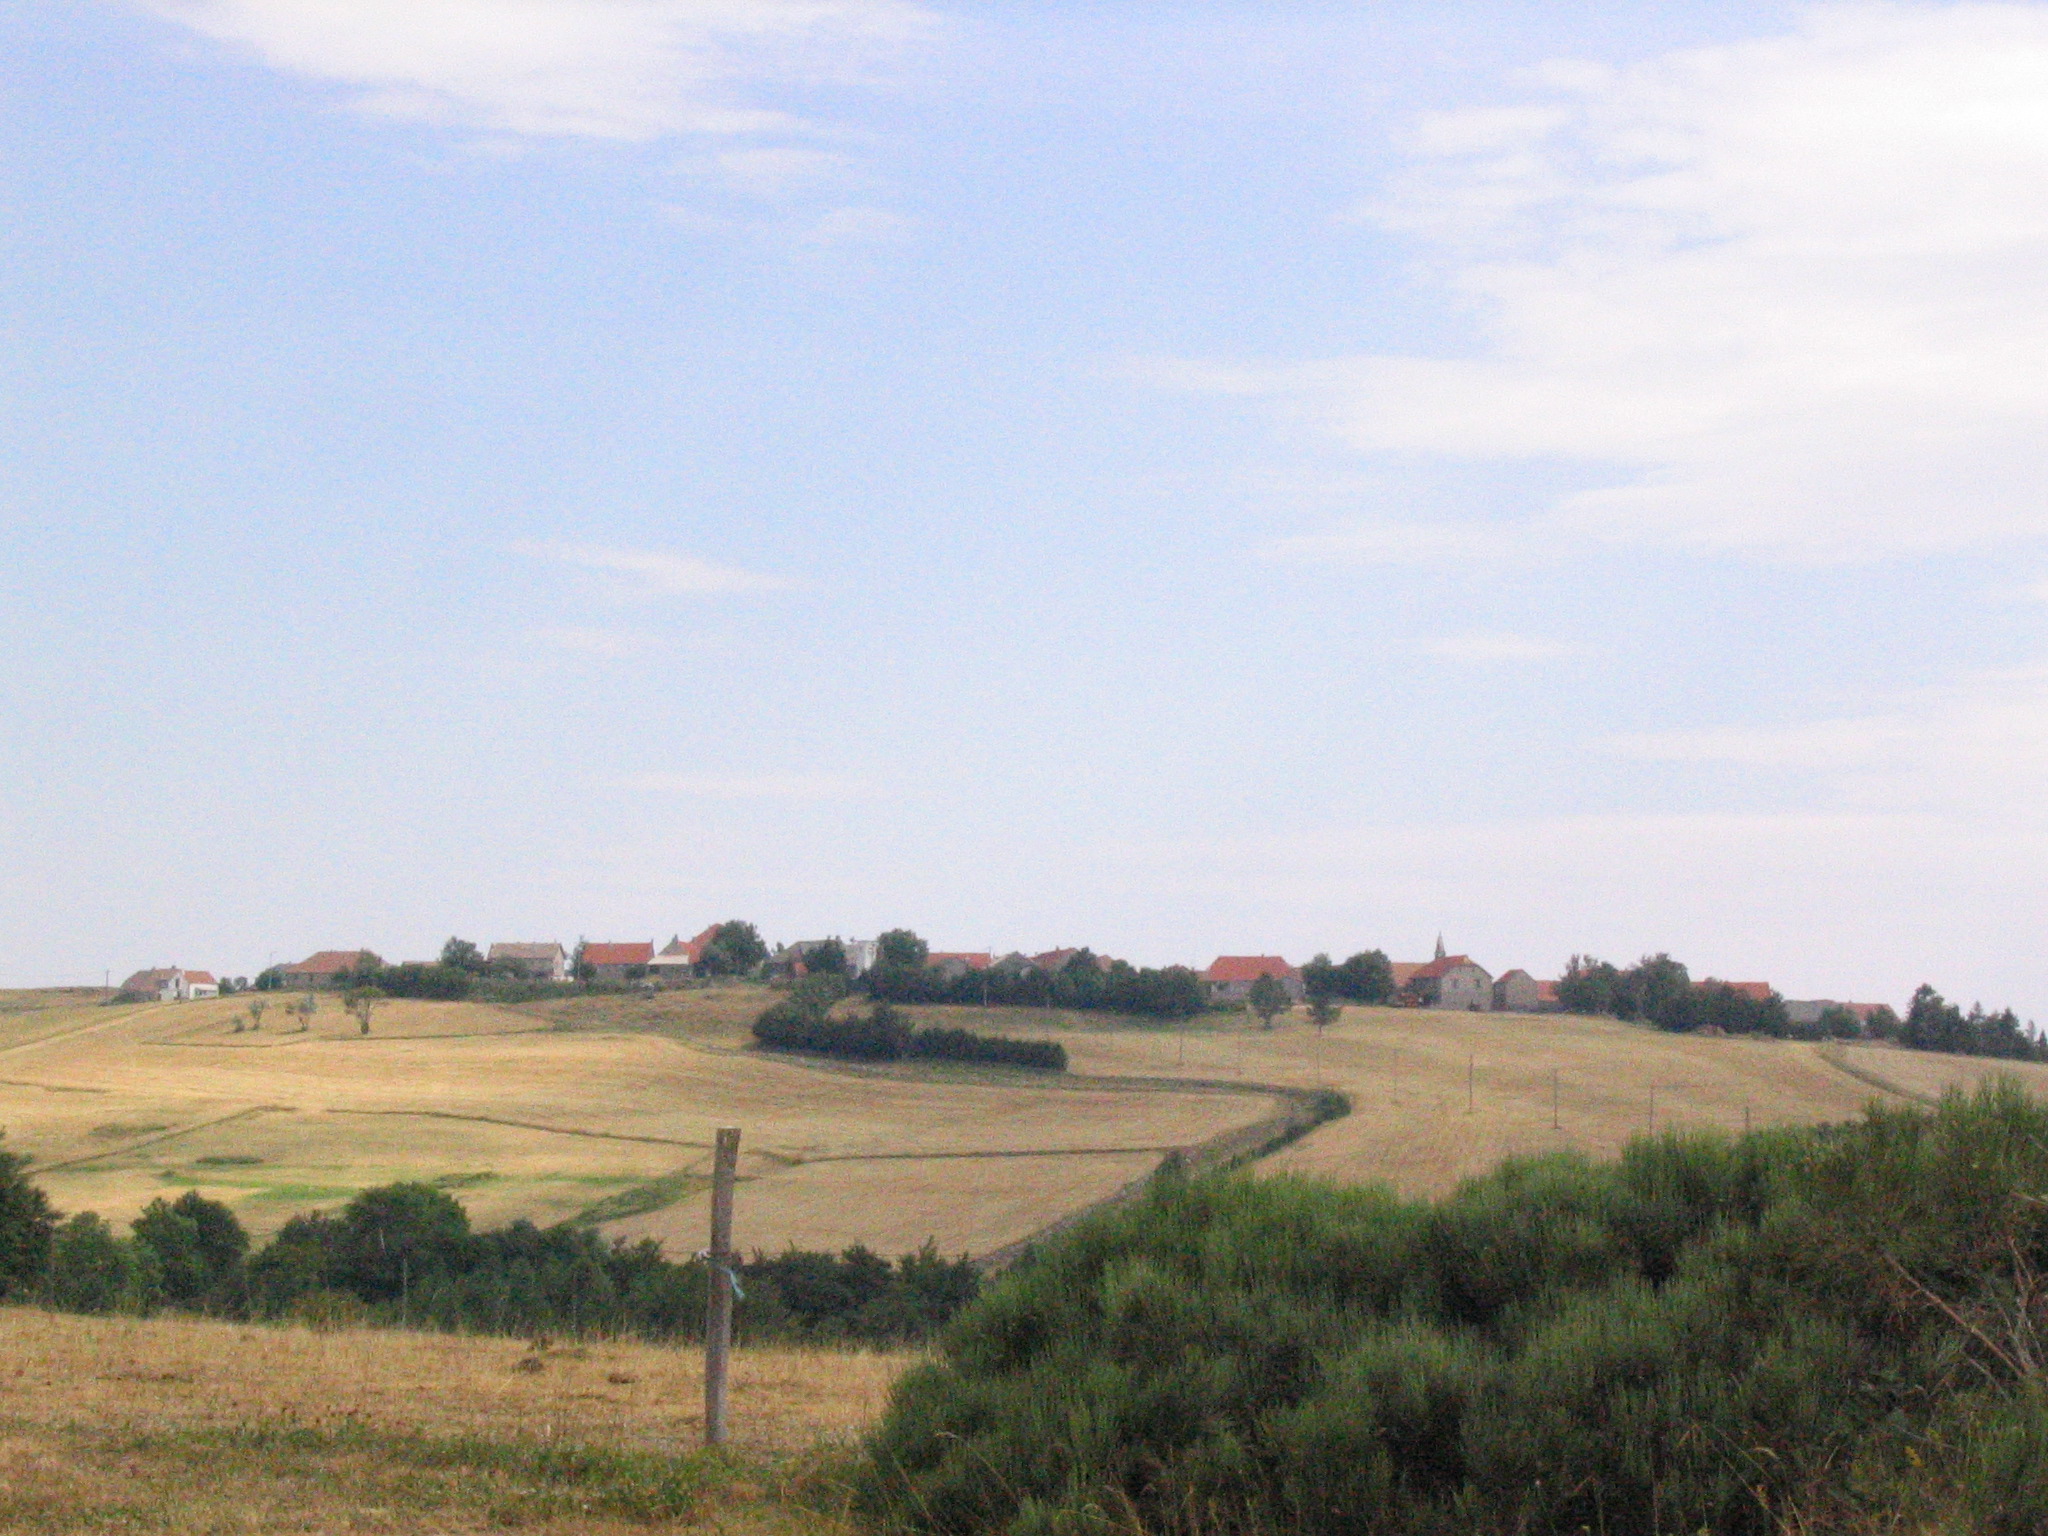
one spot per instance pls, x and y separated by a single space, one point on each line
1229 978
530 962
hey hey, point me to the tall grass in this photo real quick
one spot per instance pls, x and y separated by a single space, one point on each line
1832 1329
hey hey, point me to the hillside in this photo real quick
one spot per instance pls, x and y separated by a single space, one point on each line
602 1107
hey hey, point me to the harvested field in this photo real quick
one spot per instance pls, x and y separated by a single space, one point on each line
181 1425
522 1114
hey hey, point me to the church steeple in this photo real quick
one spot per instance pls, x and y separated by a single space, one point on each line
1440 946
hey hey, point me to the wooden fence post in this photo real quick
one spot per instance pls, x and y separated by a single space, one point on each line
725 1163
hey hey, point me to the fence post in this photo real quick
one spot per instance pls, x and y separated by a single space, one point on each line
725 1162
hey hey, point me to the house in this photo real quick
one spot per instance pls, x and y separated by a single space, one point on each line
1516 991
321 970
169 984
1404 972
530 962
615 962
680 957
1547 1000
955 963
1453 981
1229 978
1809 1010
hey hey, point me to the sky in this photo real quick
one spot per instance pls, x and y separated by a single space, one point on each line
1180 478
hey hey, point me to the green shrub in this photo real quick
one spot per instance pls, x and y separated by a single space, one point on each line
1800 1330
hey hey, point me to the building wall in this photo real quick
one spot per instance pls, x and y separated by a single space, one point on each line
1464 987
1517 994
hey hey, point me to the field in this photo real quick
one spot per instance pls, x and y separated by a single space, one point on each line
185 1426
602 1108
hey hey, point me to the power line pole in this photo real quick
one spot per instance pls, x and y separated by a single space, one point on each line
725 1163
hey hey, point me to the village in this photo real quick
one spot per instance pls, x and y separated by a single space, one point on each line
1449 981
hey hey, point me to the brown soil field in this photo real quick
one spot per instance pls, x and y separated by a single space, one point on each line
188 1426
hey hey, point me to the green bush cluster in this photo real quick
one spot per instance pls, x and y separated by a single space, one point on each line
1797 1330
404 1254
803 1021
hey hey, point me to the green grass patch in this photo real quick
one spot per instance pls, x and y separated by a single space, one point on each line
650 1195
227 1160
306 1192
120 1132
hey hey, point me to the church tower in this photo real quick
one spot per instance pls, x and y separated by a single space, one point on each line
1440 946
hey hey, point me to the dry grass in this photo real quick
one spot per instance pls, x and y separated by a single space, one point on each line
189 1426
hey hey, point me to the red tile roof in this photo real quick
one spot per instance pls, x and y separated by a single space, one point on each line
618 954
1439 968
147 981
1228 968
974 960
1546 991
201 978
327 962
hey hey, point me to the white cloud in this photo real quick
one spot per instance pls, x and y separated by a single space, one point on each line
604 644
857 226
606 69
653 573
1405 543
1976 749
774 171
1788 295
763 786
1488 647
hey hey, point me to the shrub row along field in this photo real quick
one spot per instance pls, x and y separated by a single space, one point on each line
405 1255
804 1021
1836 1329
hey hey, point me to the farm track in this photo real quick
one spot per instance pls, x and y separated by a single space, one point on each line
157 1140
1837 1058
82 1029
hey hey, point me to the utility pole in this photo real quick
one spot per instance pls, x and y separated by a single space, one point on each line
1553 1098
725 1163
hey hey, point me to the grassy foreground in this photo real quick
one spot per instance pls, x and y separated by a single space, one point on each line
186 1426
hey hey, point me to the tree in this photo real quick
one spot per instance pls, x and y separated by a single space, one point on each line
391 1238
461 955
734 949
1268 999
360 1003
91 1270
257 1005
1323 1012
901 948
826 958
305 1008
26 1226
198 1246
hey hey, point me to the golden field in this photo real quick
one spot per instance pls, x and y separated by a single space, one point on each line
545 1113
187 1426
604 1107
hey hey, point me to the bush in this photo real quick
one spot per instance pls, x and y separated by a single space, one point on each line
1798 1330
92 1270
965 1045
27 1225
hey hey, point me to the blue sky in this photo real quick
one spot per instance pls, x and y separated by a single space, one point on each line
1182 479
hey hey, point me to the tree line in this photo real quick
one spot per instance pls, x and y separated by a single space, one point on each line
404 1255
1659 990
902 973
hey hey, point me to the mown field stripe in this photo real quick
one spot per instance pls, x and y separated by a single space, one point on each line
1837 1058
